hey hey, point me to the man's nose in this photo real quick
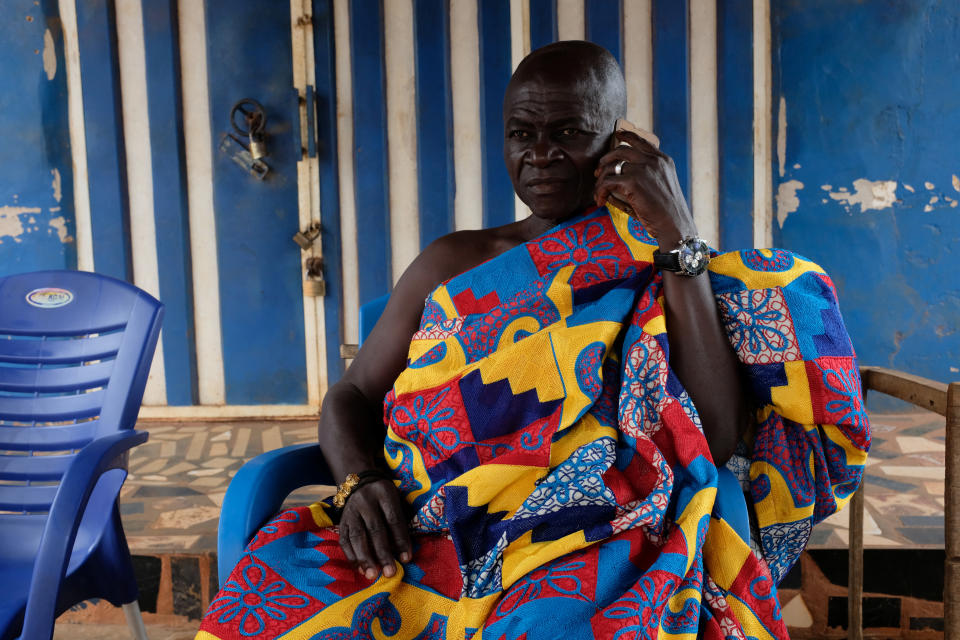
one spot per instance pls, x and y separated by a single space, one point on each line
543 152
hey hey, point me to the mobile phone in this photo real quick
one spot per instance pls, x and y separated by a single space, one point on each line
649 136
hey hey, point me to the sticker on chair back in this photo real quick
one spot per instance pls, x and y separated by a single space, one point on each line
49 298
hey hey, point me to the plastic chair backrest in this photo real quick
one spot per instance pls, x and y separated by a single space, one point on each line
370 313
71 370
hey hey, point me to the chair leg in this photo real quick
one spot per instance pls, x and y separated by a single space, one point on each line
855 568
135 620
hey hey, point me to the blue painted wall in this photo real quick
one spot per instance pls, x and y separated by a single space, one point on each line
871 93
37 227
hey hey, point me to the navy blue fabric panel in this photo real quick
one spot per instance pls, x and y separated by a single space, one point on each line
162 54
261 296
434 119
103 123
604 26
326 96
735 118
495 69
37 226
370 148
671 83
543 23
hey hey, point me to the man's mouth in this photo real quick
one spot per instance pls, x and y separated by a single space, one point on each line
542 186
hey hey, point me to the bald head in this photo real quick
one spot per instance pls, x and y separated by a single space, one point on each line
584 68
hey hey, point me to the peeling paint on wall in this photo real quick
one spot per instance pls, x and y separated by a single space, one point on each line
49 55
787 200
59 224
10 223
869 194
57 188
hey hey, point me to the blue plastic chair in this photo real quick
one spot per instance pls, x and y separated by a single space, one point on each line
75 350
261 485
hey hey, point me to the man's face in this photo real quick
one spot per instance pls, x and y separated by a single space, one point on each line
553 137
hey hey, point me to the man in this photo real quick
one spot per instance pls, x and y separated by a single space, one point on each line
554 447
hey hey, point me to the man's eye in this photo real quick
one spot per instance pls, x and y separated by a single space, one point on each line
519 134
569 132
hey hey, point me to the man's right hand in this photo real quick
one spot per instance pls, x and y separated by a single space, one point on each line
374 533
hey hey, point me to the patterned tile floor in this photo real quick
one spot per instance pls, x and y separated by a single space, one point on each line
171 500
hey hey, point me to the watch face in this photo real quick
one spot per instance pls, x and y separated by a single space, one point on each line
694 256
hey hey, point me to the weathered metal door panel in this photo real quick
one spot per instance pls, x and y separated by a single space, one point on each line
261 304
37 227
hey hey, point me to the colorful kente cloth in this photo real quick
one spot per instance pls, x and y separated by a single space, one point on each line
560 480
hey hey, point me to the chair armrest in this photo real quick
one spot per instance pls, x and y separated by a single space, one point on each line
60 530
256 493
921 392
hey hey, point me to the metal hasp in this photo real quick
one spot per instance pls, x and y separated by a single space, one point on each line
308 236
239 154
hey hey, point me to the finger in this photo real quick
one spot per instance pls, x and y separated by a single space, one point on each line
345 545
623 186
628 154
360 541
638 142
382 548
397 522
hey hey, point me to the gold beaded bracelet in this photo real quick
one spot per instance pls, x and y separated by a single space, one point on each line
343 491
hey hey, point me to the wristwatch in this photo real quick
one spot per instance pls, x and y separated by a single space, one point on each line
690 258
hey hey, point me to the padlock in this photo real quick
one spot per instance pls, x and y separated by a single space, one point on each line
314 287
257 148
307 237
313 284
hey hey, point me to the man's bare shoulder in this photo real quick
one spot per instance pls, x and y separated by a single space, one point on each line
460 251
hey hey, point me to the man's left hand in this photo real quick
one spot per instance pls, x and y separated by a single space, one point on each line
648 184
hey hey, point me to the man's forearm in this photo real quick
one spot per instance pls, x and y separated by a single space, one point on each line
348 433
704 361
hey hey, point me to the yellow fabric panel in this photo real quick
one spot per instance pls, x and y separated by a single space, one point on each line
414 604
506 484
442 298
777 506
639 250
420 347
587 429
454 363
793 400
523 555
731 264
470 613
657 325
748 620
689 520
320 516
676 605
567 344
525 373
724 553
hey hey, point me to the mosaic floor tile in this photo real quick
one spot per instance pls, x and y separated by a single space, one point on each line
179 479
186 518
911 444
796 614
